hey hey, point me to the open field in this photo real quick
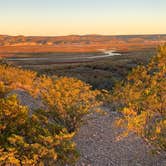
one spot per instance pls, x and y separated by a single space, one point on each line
101 72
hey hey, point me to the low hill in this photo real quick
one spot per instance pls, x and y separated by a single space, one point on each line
76 43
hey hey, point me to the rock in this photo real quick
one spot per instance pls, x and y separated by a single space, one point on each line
26 99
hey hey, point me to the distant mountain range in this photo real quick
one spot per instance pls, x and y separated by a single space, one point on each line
77 43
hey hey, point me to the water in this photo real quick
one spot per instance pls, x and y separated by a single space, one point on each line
107 53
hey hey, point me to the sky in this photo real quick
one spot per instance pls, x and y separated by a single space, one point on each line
66 17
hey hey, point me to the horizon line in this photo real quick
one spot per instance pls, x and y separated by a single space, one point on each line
141 34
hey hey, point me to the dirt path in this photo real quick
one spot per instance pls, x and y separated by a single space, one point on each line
97 145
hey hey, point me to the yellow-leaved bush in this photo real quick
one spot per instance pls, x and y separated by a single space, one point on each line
16 78
141 99
43 136
68 99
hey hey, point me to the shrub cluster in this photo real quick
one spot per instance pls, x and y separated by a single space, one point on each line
43 136
141 99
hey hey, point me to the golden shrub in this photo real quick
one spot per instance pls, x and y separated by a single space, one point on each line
68 99
41 137
142 100
15 78
31 140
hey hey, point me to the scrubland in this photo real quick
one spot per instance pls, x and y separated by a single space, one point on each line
45 136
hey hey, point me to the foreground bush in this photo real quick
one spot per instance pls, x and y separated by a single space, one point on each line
142 100
44 136
15 78
68 99
31 140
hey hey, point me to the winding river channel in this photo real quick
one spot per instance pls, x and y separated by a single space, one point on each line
60 58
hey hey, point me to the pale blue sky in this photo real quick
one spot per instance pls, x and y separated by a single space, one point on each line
64 17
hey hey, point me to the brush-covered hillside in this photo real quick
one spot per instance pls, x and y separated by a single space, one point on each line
40 134
141 99
39 115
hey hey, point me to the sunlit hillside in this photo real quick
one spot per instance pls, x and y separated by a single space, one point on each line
82 83
141 99
43 136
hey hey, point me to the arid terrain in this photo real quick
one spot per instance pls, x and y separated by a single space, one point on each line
60 81
75 43
73 55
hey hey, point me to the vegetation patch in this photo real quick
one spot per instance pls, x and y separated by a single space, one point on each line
42 136
141 99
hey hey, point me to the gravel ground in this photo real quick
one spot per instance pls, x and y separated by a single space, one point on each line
98 147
